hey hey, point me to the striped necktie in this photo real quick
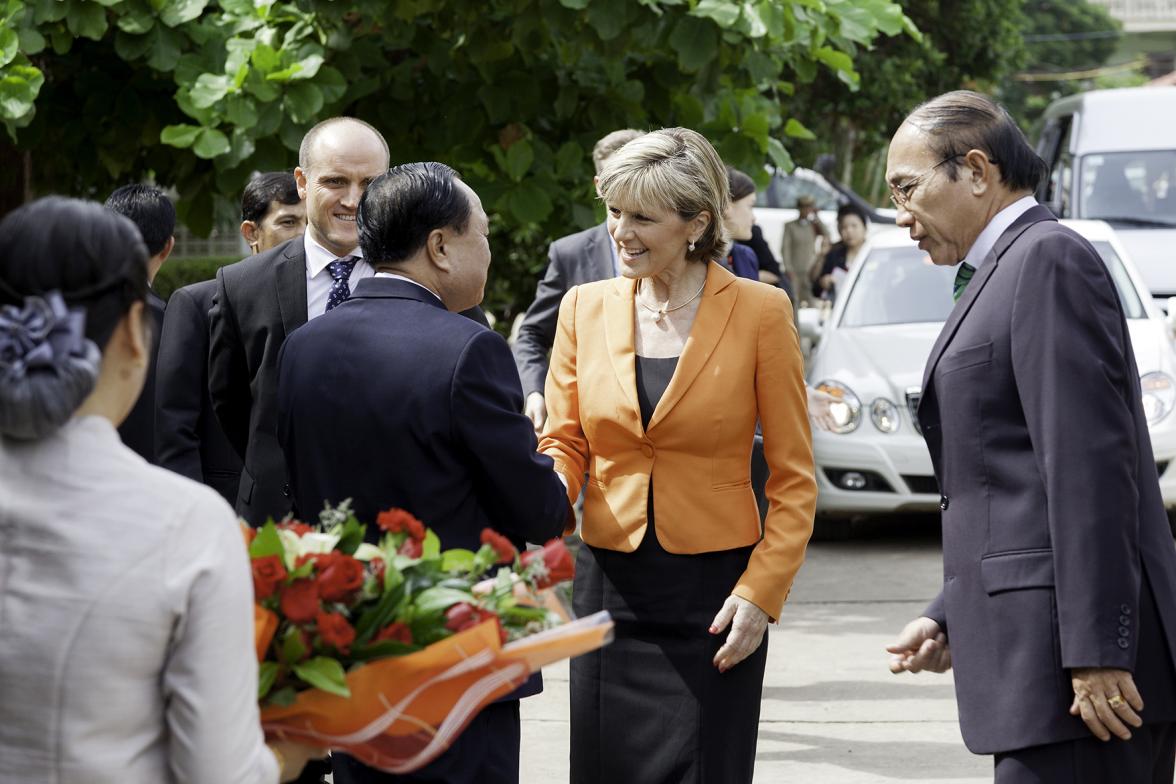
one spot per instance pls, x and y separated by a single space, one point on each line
963 276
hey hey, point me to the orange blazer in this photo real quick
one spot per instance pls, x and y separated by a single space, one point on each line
741 363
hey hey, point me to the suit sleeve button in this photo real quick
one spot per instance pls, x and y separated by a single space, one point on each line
1123 643
1124 632
1124 620
1125 609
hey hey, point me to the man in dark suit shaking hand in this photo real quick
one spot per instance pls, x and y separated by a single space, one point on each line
430 420
1058 608
261 300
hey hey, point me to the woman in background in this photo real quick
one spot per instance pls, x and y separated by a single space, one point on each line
851 225
126 653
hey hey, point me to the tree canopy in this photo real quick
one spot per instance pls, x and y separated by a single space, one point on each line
513 93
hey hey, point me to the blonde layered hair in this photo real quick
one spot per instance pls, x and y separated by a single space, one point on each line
673 169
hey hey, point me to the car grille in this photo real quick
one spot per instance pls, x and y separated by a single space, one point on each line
913 396
925 485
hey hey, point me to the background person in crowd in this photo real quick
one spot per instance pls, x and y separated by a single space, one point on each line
633 406
127 648
188 438
261 300
828 271
769 267
739 220
804 239
578 258
1058 608
154 215
271 211
432 420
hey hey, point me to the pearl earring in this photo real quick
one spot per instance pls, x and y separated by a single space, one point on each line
691 246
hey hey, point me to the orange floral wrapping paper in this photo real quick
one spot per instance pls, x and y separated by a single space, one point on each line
406 710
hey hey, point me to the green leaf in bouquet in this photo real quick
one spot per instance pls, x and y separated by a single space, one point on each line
382 650
267 542
521 616
293 646
457 560
350 536
323 673
267 675
393 577
431 547
306 570
503 582
379 615
439 599
283 697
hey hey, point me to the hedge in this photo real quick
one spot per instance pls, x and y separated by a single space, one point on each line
176 273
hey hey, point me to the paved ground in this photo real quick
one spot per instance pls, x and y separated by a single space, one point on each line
832 713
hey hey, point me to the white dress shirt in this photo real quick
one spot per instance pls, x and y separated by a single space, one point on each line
318 277
997 226
126 623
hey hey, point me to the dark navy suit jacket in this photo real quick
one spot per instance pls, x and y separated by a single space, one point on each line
1054 531
391 400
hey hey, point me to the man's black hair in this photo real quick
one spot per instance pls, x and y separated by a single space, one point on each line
150 210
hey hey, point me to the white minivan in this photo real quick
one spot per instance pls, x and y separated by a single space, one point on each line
1112 157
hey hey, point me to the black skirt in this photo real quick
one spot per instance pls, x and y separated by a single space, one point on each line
651 708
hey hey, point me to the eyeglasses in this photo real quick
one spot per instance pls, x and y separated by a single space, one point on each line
901 194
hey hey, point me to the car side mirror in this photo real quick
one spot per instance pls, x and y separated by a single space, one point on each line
810 322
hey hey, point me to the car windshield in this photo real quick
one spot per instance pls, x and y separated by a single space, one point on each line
1138 188
902 286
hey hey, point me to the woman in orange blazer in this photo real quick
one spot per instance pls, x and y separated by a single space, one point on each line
657 380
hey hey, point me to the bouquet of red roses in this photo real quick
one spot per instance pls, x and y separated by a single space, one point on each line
387 650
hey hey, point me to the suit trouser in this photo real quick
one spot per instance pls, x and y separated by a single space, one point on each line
1145 759
486 753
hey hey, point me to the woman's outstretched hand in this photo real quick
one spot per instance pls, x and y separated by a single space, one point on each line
747 622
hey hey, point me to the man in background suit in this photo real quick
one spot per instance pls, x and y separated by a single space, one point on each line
188 437
155 216
261 300
1058 608
430 421
578 258
799 247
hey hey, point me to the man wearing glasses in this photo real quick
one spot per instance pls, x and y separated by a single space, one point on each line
1058 608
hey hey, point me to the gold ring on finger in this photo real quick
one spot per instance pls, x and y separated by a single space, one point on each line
1116 701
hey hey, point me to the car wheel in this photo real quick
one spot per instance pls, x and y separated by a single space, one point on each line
832 529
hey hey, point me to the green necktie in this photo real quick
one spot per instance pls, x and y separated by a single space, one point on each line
963 276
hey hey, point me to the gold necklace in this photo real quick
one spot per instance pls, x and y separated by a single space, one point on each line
660 313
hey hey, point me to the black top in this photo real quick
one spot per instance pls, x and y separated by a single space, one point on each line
834 259
653 376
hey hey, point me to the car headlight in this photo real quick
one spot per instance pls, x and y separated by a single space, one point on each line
884 415
846 410
1159 395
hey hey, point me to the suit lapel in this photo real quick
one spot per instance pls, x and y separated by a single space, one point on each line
619 337
290 278
718 300
602 254
976 286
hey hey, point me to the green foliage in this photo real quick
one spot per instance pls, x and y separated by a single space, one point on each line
177 273
197 93
1067 37
970 44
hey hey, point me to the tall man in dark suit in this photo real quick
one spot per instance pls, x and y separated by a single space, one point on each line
261 300
1058 608
430 420
583 257
188 438
153 213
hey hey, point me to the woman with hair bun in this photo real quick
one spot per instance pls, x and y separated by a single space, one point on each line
126 648
656 382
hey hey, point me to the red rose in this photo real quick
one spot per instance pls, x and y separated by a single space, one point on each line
296 526
396 631
464 615
557 564
411 548
268 571
335 630
339 576
397 521
300 601
506 551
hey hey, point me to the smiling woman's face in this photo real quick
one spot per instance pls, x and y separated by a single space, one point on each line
650 240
